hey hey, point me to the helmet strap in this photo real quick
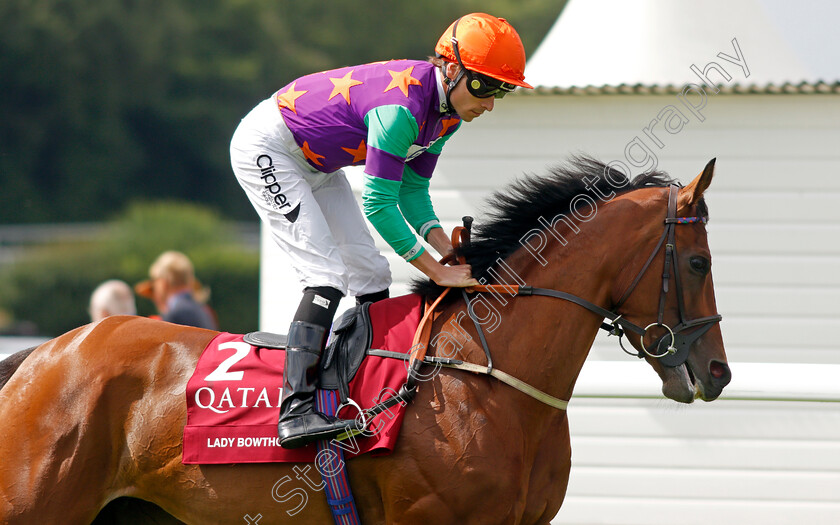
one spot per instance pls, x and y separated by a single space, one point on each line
450 85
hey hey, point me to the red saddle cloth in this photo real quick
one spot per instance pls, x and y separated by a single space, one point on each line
233 397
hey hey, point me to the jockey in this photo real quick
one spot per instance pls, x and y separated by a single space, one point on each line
392 117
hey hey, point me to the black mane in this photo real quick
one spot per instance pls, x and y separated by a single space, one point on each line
516 210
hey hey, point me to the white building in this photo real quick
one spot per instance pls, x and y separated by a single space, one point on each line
769 451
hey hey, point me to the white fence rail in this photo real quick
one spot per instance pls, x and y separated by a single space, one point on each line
750 381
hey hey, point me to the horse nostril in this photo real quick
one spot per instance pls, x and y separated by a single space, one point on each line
720 372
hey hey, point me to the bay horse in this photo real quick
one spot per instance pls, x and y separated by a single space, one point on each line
98 413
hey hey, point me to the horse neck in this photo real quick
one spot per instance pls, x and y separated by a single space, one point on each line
542 340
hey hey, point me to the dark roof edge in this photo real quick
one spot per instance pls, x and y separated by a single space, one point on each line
804 88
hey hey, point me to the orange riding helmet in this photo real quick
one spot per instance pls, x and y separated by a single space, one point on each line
487 45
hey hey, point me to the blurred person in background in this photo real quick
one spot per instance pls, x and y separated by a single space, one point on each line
176 293
393 117
113 297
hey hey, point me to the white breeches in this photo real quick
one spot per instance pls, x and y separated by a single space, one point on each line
313 216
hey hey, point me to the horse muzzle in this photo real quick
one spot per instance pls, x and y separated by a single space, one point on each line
691 380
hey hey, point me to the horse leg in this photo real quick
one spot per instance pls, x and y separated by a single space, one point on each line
437 490
449 465
550 476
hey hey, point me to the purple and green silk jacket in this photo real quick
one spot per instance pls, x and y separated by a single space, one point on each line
387 116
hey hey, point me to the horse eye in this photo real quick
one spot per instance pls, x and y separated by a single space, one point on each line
699 265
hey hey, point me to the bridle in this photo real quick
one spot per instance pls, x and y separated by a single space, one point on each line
676 351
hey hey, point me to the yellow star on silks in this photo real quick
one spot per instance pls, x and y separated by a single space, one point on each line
402 79
287 99
342 86
448 123
311 155
359 154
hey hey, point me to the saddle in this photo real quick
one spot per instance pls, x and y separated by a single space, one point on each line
352 336
348 346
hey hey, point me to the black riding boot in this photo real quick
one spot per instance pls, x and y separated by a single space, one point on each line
299 423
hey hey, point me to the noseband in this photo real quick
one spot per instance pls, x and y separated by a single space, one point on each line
676 351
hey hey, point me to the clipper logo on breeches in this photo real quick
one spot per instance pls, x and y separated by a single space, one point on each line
273 192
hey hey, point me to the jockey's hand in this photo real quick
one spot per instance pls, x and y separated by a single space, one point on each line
455 276
459 276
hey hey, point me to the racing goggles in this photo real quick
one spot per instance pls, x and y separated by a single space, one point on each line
482 86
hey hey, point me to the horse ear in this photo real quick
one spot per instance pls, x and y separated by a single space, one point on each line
692 193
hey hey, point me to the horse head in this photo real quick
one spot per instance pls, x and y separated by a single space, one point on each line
673 296
632 251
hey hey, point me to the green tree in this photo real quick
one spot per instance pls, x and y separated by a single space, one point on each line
108 101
